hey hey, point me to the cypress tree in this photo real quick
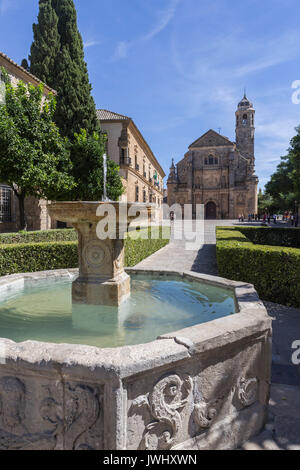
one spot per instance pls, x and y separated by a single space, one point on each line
57 58
46 45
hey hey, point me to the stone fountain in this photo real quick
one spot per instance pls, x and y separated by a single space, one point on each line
203 387
102 279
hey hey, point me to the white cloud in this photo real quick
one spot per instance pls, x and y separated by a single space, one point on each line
121 51
90 43
164 18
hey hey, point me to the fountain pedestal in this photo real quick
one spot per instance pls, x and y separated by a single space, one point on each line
102 279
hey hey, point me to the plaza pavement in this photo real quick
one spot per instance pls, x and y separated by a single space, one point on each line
283 429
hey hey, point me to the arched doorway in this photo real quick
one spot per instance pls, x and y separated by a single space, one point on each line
211 211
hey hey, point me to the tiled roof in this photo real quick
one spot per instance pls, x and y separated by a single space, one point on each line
105 115
25 71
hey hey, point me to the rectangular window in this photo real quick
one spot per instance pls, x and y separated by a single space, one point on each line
5 203
136 194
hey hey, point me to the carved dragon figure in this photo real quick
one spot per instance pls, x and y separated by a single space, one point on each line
165 403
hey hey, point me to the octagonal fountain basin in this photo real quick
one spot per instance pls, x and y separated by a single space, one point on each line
43 311
183 364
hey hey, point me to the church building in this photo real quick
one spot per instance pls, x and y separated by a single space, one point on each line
219 173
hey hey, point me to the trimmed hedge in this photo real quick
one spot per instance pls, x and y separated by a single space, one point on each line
274 270
32 257
43 236
273 236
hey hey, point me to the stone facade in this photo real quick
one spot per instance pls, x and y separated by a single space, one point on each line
219 173
35 210
141 172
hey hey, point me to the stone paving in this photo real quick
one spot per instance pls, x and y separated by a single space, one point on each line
283 430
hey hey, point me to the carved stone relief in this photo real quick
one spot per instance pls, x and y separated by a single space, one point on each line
174 400
165 403
71 424
247 391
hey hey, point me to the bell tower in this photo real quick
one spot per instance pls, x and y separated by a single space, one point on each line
245 128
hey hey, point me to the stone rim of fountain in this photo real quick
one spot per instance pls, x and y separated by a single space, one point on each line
214 376
250 319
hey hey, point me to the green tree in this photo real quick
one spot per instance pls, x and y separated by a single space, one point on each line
87 158
284 185
294 157
57 58
34 158
25 65
265 203
45 48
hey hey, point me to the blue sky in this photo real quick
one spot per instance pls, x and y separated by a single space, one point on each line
179 67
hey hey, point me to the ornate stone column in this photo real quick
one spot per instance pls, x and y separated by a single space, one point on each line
102 279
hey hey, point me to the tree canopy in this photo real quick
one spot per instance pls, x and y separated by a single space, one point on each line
34 158
87 158
284 185
57 58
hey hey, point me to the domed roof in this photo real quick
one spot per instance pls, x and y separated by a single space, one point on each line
245 103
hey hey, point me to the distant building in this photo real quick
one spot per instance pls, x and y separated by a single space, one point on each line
36 210
219 173
141 173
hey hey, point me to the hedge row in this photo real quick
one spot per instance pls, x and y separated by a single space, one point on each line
32 257
274 270
273 236
43 236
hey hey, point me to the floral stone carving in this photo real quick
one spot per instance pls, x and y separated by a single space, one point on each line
165 403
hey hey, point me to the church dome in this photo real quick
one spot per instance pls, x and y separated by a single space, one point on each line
245 103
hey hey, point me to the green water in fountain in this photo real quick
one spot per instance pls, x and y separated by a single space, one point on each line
43 311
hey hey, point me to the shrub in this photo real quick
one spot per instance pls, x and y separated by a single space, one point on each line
274 270
32 257
137 249
273 236
42 236
16 257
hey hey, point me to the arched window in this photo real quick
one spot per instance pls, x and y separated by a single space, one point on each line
245 120
211 160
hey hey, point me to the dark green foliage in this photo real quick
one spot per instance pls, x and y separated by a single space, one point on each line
57 58
284 186
34 158
87 158
289 237
25 65
33 257
59 235
46 46
274 270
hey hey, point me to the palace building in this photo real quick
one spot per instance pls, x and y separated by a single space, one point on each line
219 173
141 172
